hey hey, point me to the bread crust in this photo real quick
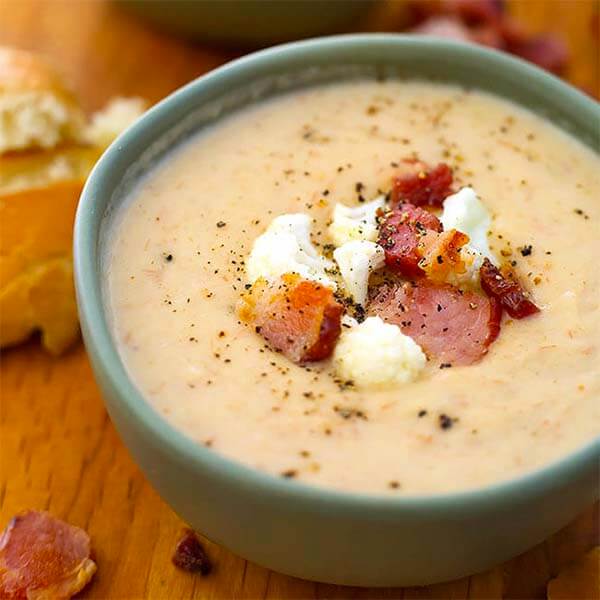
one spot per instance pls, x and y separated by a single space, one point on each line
36 273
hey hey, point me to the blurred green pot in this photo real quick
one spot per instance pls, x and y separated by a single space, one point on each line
250 22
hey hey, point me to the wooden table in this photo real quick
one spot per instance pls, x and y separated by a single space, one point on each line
58 449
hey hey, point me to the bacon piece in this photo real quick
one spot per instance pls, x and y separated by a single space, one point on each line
486 22
43 558
298 317
400 235
190 555
547 51
470 12
475 12
441 254
422 185
451 326
451 27
507 290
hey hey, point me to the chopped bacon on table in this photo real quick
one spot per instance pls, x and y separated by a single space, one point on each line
507 290
42 557
451 326
400 236
422 185
297 317
486 22
190 555
546 51
471 12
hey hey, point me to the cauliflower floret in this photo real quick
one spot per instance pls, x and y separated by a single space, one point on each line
348 321
377 354
355 223
357 260
285 247
465 212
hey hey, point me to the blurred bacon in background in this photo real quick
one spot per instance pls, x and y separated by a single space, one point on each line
487 22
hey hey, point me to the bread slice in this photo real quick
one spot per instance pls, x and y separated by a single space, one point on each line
46 153
36 109
36 274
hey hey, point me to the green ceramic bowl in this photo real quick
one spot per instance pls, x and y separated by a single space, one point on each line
286 525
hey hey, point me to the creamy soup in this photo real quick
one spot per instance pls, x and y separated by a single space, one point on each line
176 270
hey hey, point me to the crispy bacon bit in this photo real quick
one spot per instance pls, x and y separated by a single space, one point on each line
422 185
190 555
507 290
441 254
43 558
451 326
400 235
299 318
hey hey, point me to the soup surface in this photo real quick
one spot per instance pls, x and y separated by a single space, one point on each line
176 272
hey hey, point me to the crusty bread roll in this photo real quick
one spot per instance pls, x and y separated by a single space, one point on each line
46 153
36 273
36 109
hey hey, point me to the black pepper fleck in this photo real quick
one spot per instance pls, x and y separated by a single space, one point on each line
445 421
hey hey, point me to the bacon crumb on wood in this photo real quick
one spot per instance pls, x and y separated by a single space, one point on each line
190 555
422 185
487 22
43 558
507 290
450 325
297 317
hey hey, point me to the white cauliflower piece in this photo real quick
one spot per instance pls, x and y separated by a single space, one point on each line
285 247
355 223
377 354
356 261
465 212
348 321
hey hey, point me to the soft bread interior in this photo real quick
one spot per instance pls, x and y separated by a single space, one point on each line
35 119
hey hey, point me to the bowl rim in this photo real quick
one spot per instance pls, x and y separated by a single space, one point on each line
107 362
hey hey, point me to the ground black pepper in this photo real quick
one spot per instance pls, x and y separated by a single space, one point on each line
445 421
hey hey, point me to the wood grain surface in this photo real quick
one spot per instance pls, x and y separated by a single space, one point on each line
58 449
